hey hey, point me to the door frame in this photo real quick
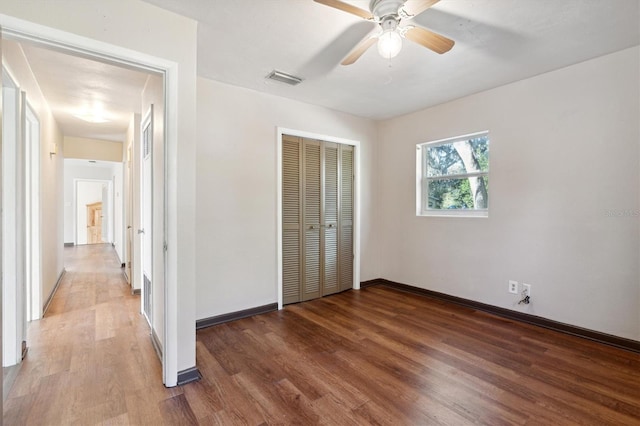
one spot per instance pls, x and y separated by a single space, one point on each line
33 241
280 131
24 31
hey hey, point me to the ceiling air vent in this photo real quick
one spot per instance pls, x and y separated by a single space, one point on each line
284 78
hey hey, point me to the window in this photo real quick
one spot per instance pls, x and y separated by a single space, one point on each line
453 176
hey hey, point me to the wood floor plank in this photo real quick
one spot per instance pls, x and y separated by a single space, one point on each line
228 404
176 411
312 378
332 411
143 406
378 356
420 361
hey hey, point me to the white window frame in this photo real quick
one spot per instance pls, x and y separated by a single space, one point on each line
421 180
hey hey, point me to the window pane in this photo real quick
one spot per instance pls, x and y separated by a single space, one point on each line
463 193
443 160
460 157
480 149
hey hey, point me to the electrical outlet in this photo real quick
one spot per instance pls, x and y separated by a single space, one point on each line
526 290
513 287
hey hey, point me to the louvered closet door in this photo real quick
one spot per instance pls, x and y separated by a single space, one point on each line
291 217
329 243
317 218
312 201
346 217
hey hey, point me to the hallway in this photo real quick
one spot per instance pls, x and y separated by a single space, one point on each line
90 358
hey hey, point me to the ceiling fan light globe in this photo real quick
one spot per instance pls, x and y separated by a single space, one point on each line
389 44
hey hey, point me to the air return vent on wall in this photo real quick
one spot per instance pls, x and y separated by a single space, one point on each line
284 78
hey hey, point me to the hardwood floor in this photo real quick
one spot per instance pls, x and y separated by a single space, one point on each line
381 356
375 356
90 358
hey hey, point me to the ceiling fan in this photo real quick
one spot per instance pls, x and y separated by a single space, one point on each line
389 14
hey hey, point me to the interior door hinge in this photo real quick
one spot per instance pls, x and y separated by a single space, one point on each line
165 246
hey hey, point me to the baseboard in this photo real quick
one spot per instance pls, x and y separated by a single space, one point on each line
69 244
232 316
53 292
596 336
156 344
371 283
189 375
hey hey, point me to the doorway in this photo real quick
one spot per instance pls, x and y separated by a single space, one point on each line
317 219
93 216
318 215
21 271
94 223
167 74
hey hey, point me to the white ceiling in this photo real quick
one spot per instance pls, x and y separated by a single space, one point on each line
497 42
71 83
241 41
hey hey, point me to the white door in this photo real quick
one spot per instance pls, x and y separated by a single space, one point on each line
128 217
13 291
146 206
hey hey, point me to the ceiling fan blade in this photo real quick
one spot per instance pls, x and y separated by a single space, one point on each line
429 39
355 54
345 7
416 7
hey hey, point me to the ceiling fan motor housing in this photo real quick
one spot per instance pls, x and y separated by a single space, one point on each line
382 9
389 23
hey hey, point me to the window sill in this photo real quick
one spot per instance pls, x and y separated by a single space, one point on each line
454 213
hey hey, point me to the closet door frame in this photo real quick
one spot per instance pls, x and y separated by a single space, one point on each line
356 201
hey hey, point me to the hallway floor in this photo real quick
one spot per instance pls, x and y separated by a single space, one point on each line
90 358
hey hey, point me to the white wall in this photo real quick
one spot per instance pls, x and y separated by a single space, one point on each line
51 170
564 154
236 191
147 33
